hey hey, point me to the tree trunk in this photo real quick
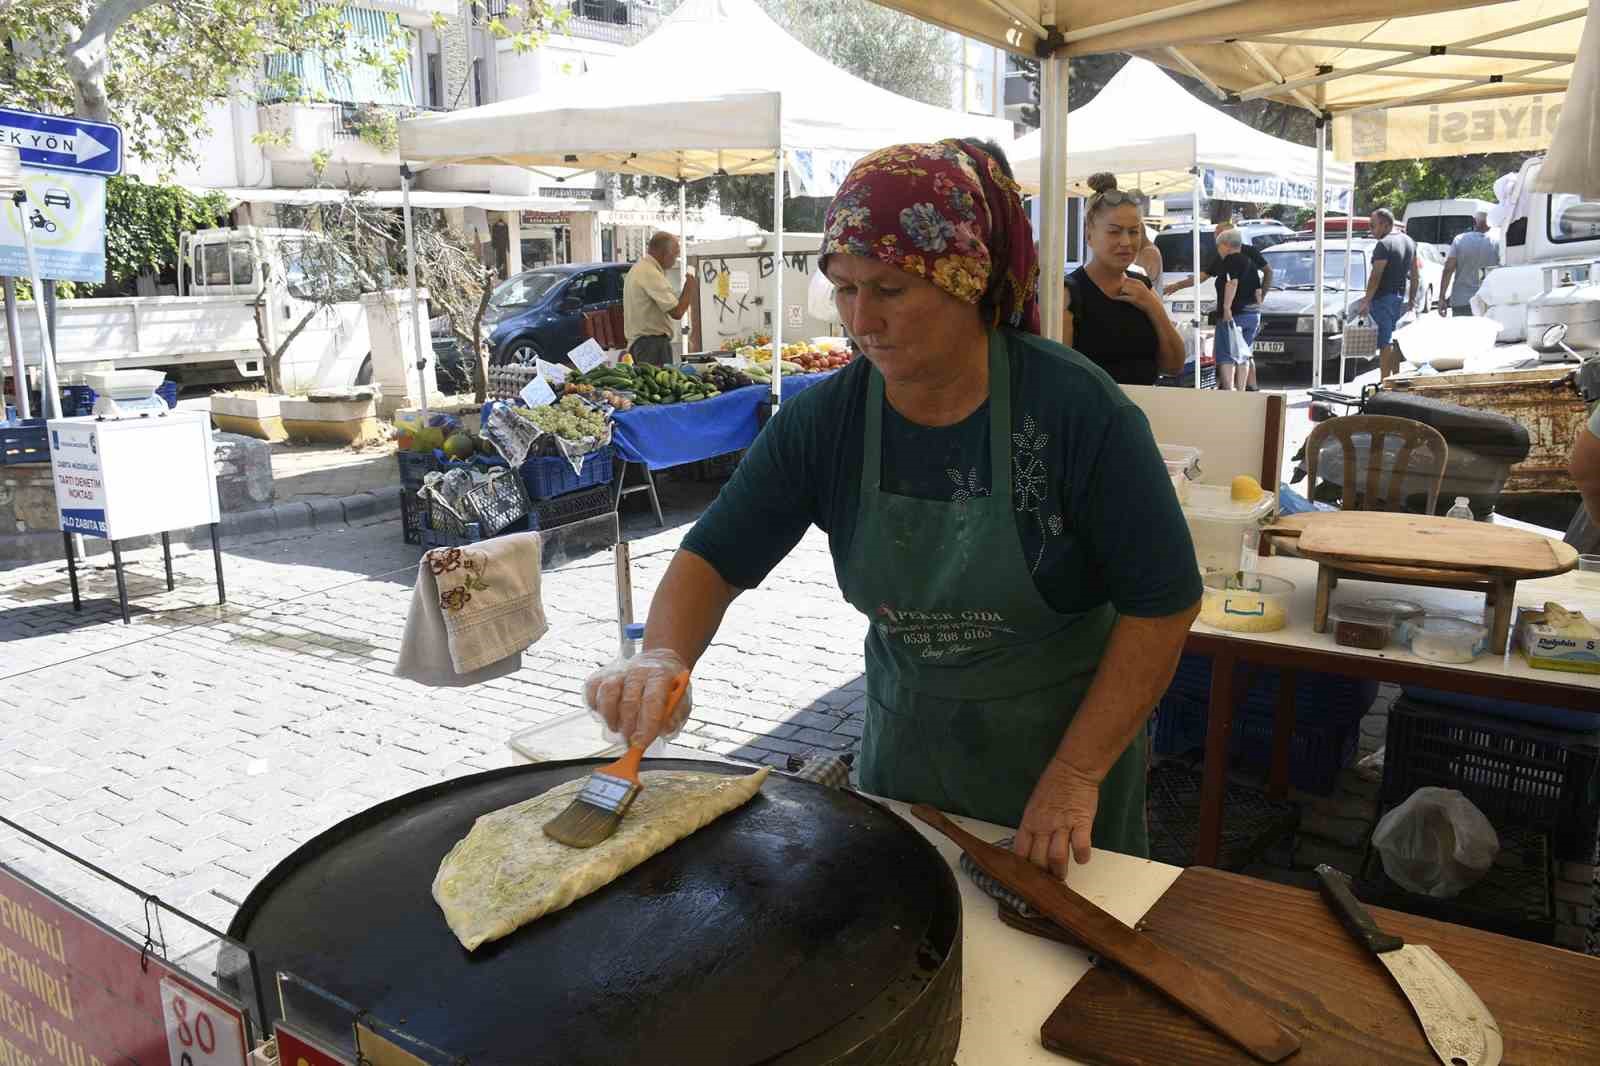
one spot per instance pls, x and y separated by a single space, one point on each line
87 58
480 350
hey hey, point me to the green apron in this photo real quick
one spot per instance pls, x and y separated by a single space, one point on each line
972 676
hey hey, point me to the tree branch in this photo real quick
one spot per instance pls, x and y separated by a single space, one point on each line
87 57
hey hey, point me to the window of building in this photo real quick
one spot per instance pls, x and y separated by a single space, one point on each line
435 80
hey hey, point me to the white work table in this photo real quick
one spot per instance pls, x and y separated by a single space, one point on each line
1297 647
1011 980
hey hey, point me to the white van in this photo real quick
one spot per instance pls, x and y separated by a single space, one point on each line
1438 222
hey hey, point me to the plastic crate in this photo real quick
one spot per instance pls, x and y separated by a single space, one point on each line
545 514
485 510
1520 775
1318 750
24 441
549 476
77 401
1318 697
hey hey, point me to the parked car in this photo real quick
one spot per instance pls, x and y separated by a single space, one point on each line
538 314
1288 314
1177 247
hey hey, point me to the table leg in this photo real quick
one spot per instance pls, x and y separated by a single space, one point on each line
655 503
1213 786
216 557
1282 734
122 582
1319 618
72 570
1505 603
166 556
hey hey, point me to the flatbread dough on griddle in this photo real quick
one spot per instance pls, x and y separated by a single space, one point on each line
505 872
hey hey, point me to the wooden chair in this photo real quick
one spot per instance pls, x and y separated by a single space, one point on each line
605 326
1422 455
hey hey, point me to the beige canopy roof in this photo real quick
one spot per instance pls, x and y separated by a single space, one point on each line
1334 55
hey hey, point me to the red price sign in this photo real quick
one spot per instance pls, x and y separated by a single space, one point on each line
297 1050
201 1030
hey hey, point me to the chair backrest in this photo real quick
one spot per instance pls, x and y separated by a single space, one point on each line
1420 453
605 326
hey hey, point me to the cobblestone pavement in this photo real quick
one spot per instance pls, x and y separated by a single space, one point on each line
191 751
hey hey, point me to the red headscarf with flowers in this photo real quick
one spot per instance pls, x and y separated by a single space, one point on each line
947 213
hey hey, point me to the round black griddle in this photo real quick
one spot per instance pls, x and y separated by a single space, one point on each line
808 926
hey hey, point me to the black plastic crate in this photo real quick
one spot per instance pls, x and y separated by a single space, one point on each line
1513 899
1251 824
24 441
1520 775
413 516
544 514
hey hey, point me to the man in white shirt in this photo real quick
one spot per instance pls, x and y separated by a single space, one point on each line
1472 255
649 305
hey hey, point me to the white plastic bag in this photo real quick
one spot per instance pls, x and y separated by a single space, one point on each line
1240 349
1436 843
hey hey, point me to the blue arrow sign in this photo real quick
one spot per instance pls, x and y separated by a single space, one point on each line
54 142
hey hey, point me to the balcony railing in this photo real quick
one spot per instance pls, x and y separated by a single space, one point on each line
617 21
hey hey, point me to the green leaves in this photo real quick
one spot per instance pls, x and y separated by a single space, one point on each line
143 223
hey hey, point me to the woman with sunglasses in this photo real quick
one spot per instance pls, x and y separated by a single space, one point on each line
1113 314
996 509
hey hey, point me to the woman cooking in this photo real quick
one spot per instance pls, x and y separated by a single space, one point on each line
994 505
1113 314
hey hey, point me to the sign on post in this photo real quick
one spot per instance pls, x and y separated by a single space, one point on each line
62 143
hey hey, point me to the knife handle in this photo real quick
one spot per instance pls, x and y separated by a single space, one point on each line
1352 915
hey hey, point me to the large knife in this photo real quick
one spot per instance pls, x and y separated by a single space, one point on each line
1458 1026
1202 992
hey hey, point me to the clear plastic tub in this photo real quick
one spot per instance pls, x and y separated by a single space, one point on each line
1373 623
1221 528
1246 602
1448 638
1183 466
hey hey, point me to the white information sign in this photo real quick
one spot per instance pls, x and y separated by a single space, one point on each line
537 393
80 488
738 283
587 355
200 1031
554 373
67 215
794 317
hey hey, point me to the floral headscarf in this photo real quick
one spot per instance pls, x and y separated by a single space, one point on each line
947 213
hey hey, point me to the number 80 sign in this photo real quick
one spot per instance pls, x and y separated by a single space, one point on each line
200 1030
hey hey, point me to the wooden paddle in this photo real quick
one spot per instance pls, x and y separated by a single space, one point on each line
1207 995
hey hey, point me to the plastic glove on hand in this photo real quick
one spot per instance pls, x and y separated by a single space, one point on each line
630 696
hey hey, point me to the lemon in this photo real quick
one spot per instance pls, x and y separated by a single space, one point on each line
1247 489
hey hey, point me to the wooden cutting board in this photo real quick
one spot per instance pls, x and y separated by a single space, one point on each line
1287 950
1431 542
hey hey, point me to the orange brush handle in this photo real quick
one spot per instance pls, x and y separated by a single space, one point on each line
627 767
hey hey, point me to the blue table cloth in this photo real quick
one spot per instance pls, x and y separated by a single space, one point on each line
664 435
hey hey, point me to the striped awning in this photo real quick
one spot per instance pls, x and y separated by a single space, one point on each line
348 74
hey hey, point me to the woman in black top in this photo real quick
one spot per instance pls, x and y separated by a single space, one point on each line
1112 314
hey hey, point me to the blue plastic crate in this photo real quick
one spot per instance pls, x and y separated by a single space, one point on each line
549 476
1318 750
24 441
1318 697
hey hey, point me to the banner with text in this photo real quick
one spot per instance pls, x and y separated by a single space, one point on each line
1256 189
1514 124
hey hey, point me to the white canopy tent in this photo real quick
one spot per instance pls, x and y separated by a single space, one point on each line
1333 57
765 98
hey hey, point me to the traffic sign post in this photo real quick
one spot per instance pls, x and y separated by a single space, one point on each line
56 142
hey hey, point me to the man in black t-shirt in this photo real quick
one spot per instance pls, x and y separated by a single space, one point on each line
1240 269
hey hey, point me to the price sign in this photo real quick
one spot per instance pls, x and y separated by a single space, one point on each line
587 355
554 373
201 1030
537 393
794 317
738 283
297 1050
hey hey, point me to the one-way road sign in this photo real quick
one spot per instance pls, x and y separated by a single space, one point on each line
55 142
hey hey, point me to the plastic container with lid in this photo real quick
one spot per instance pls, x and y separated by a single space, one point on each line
1448 638
1183 466
1246 602
1220 526
1373 623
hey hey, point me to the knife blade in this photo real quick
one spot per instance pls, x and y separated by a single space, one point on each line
1458 1026
1202 992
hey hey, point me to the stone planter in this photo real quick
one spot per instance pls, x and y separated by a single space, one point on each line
341 416
256 415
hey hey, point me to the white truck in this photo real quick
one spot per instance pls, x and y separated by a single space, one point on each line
1541 232
208 335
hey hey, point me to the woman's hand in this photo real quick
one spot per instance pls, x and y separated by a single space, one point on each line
1141 296
630 696
1059 818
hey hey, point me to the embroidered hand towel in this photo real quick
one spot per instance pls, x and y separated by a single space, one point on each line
473 611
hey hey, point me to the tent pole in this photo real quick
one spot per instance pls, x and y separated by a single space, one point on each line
1349 247
777 271
683 258
1194 274
1316 256
19 363
411 274
1053 187
50 398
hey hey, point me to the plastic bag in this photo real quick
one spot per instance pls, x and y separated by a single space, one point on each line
1236 342
1436 843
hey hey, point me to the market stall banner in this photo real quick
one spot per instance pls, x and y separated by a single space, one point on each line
1256 189
1513 124
74 991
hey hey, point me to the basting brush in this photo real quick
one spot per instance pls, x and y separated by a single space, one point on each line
610 791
